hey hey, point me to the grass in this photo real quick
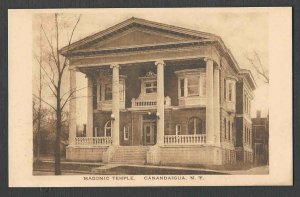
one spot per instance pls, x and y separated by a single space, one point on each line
64 166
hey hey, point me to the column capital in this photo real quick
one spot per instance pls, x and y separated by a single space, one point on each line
160 62
115 66
207 59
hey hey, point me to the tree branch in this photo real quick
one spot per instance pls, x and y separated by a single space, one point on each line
50 44
45 102
70 40
47 74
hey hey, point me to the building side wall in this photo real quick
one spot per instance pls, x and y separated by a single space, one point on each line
239 97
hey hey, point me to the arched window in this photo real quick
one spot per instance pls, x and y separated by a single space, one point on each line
195 126
107 129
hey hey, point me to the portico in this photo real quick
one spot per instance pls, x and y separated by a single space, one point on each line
153 91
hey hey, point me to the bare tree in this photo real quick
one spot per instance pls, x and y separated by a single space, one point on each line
56 67
256 64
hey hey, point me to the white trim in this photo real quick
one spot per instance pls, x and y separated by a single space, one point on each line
178 129
126 128
106 128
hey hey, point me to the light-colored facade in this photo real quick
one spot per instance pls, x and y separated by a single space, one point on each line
156 94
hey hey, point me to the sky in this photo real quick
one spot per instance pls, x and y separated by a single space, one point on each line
243 31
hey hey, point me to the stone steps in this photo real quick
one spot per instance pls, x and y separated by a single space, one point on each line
130 155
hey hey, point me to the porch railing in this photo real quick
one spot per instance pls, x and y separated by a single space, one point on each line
184 139
148 103
93 141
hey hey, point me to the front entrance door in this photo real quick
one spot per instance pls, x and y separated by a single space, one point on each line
149 131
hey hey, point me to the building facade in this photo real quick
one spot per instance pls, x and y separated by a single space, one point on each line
260 144
159 94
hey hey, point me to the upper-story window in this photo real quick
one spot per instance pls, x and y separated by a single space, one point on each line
181 88
105 92
150 87
230 91
108 92
193 85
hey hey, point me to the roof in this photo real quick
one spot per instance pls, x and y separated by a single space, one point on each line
249 78
194 35
137 22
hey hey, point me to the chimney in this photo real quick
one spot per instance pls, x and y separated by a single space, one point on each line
258 114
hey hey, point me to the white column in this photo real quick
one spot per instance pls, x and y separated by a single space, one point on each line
160 102
89 125
72 108
115 105
209 101
217 105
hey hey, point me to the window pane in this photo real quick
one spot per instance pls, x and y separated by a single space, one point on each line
122 92
230 92
181 87
108 92
193 81
203 85
193 91
195 126
193 86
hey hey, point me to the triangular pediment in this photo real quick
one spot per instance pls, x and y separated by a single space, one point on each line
136 32
136 37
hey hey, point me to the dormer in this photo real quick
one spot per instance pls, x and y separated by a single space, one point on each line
148 86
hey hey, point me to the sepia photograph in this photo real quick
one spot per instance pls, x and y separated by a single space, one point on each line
166 94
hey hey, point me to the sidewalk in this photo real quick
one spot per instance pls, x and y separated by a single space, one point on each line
100 167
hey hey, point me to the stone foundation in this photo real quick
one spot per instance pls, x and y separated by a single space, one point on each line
74 153
206 155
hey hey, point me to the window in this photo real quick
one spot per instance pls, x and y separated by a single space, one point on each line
225 128
181 87
99 93
122 92
195 126
178 129
229 130
150 87
230 92
193 86
96 132
225 89
126 132
203 85
108 92
107 129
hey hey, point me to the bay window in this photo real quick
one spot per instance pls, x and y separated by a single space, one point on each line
191 87
104 92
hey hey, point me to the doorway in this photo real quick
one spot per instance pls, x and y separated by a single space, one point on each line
149 133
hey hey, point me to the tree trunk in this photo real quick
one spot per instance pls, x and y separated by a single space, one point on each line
57 141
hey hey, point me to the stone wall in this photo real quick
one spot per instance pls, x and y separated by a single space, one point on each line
85 153
206 155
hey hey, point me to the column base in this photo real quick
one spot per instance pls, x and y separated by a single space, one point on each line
108 154
153 155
